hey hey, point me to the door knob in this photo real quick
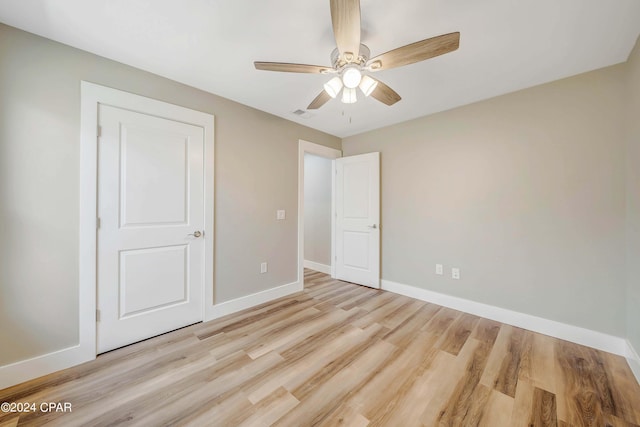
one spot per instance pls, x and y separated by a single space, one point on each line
195 234
372 226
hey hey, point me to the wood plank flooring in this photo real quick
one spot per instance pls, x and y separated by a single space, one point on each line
339 354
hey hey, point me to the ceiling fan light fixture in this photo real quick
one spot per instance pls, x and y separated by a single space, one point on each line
333 86
351 77
367 85
350 59
349 95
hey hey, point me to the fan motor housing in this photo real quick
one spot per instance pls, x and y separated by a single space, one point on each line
361 60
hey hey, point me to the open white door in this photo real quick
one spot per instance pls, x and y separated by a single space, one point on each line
357 225
151 234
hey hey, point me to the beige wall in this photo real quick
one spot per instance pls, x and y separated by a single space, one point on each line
255 172
633 200
317 209
525 193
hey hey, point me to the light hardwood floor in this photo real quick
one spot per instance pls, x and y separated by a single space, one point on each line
341 354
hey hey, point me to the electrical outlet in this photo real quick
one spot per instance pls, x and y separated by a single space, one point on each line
281 214
439 269
455 273
263 268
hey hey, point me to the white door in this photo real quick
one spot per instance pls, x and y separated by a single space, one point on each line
358 219
150 236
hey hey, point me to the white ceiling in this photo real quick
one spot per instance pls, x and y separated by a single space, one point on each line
505 45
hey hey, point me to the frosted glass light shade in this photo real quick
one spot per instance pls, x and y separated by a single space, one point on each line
349 95
351 78
333 86
367 85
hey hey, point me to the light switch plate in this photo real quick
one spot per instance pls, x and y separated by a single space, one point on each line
263 268
455 273
281 214
439 269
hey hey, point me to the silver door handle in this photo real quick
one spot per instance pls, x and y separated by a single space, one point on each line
372 226
195 234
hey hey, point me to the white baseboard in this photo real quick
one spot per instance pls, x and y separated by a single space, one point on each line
228 307
576 334
29 369
322 268
634 360
25 370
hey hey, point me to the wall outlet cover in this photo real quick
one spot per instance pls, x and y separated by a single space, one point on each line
281 214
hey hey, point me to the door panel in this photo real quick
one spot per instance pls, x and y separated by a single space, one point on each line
153 182
356 189
140 272
358 219
356 249
150 203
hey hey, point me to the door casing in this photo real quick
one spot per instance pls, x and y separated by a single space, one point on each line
91 96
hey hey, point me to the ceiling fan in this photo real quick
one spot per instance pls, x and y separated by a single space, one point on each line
351 61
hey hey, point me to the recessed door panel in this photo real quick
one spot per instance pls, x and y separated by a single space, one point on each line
356 249
143 270
356 190
153 178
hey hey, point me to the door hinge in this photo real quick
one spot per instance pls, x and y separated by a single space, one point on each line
97 314
98 222
99 131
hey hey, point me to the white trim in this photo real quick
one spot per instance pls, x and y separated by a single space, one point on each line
576 334
333 220
633 359
248 301
329 153
91 96
631 352
322 268
24 370
209 213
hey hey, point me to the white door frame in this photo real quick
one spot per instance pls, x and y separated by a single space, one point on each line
91 96
328 153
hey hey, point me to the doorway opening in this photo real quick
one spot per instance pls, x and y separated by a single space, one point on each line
317 213
316 232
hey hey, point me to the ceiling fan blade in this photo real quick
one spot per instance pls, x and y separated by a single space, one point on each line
319 101
416 52
291 68
345 16
385 94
